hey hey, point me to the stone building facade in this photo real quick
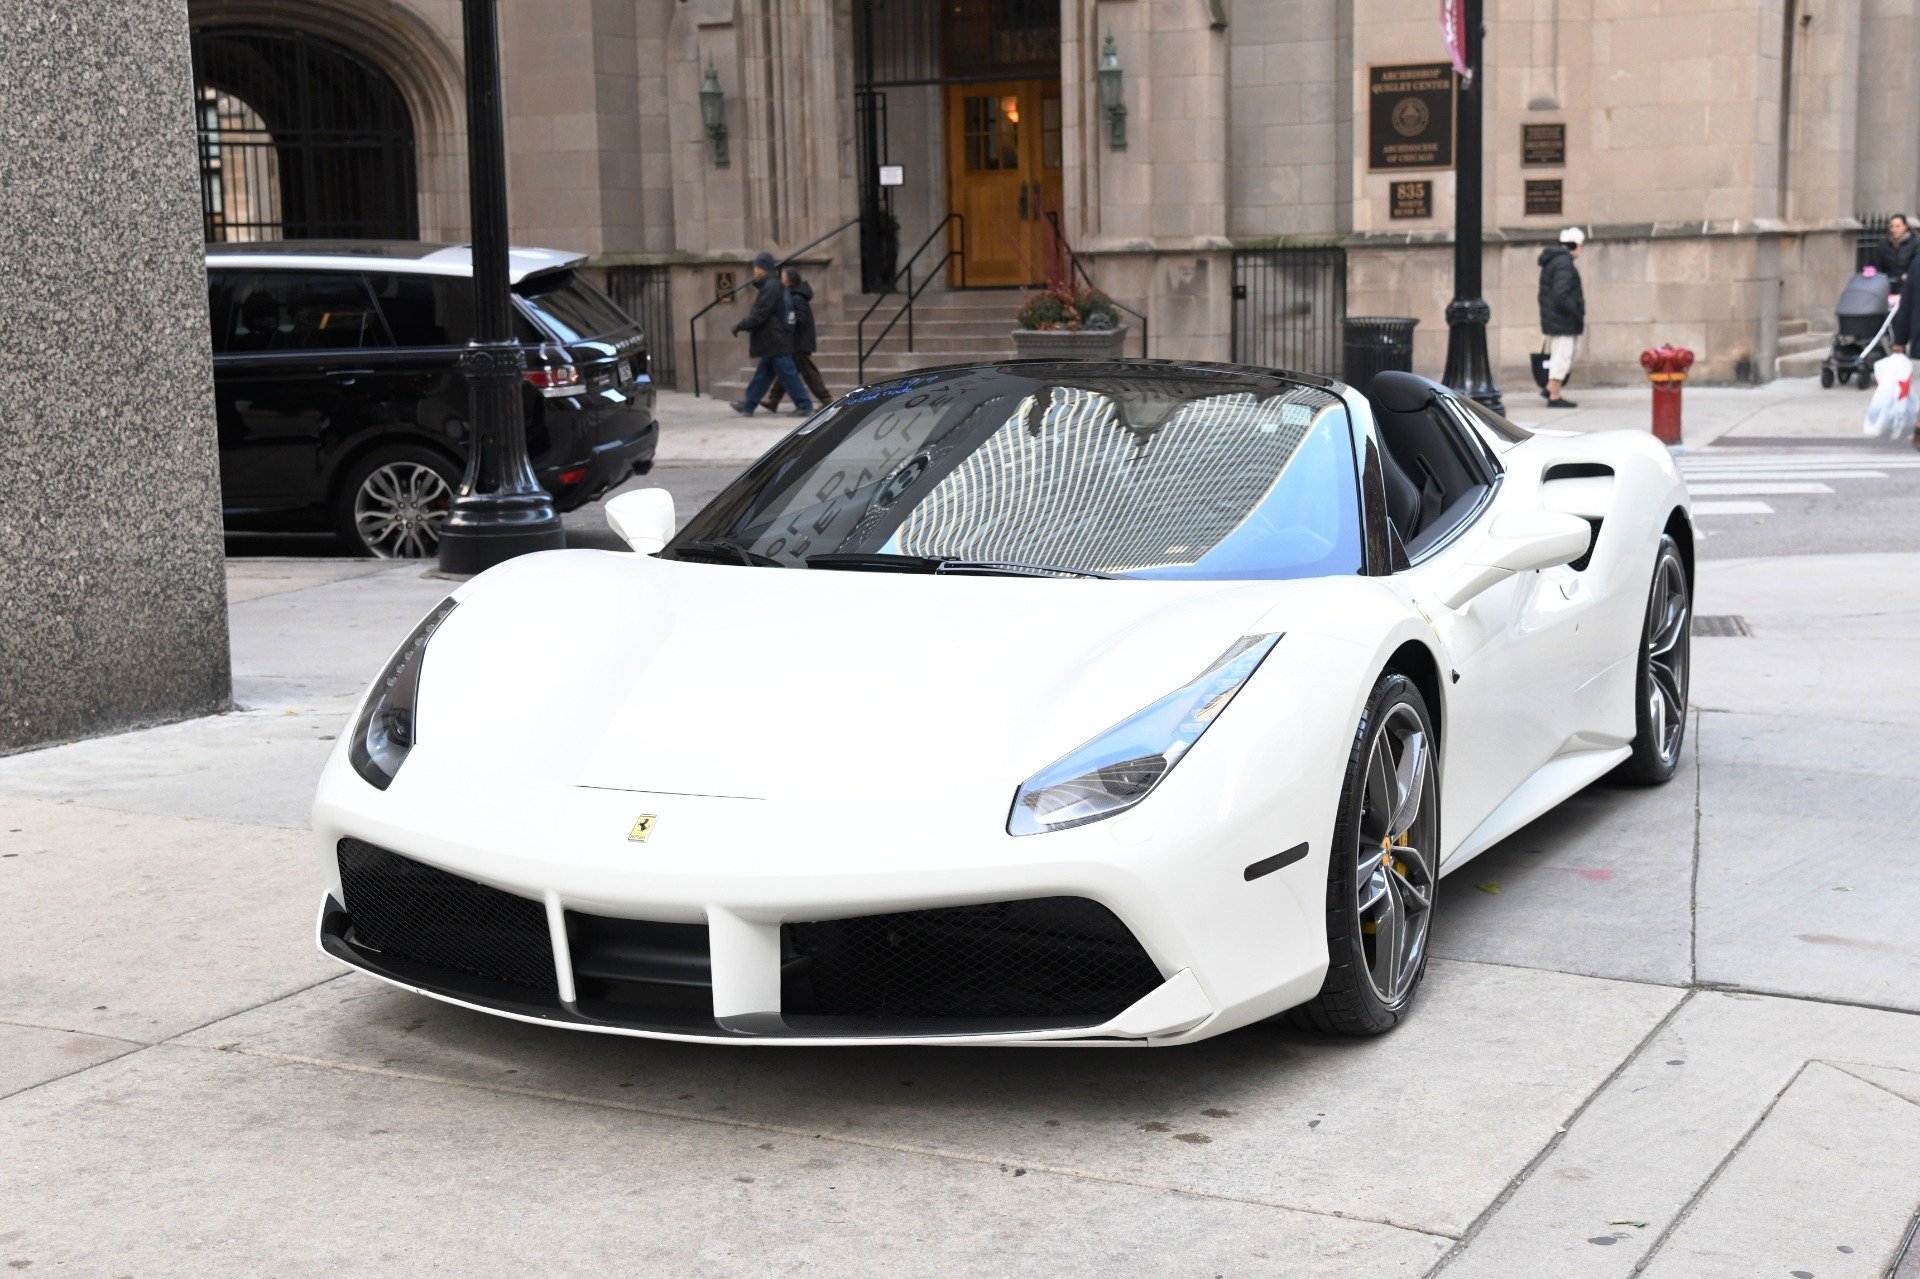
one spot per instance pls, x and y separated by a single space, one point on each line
1718 152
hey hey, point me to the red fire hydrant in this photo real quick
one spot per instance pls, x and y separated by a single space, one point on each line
1666 368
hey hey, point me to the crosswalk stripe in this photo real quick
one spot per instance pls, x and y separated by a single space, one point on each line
1753 489
1782 473
1800 461
1732 508
1776 463
1760 477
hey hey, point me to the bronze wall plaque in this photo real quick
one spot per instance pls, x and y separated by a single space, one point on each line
1410 116
1543 197
1543 145
1412 198
722 284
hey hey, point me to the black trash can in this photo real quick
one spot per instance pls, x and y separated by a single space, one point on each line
1376 343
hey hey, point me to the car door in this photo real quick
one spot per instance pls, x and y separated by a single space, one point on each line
1514 673
291 369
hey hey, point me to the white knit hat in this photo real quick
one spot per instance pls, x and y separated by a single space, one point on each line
1573 235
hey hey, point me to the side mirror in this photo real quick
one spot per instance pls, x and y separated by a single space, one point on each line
644 518
1519 542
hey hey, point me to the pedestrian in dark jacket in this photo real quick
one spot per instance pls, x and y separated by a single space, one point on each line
770 342
1563 311
1894 257
805 340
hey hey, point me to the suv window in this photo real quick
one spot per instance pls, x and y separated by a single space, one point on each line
299 311
571 307
426 310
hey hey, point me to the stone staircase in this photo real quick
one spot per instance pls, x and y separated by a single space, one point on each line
1801 349
948 328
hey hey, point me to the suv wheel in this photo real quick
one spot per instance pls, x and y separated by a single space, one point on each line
395 503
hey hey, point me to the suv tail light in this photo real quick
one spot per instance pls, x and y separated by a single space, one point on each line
556 379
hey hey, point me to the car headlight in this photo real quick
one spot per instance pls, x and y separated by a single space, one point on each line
1119 768
386 729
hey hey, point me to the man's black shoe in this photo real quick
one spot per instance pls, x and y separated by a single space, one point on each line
1562 403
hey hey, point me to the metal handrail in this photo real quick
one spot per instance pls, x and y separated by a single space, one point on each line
912 293
1061 246
693 324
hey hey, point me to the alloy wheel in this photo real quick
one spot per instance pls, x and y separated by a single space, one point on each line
1669 618
1395 862
400 510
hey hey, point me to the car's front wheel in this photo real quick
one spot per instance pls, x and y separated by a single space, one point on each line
1384 867
395 502
1666 647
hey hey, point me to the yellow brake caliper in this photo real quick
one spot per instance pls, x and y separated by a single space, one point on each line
1388 859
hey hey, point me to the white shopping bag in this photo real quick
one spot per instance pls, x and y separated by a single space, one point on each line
1891 412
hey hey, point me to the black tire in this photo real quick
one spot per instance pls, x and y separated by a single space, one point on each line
1660 729
418 483
1351 999
1846 375
1826 376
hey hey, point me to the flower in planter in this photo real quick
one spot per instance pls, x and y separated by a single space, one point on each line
1062 307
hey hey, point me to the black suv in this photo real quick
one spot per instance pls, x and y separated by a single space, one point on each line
340 401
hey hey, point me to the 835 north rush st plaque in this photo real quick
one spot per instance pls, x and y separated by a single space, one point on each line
1410 116
1412 199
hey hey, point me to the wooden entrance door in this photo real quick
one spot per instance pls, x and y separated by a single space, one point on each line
1003 177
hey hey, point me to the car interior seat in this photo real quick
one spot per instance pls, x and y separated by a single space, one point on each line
1432 483
259 322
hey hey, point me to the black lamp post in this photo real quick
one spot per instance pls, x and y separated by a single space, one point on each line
1469 370
500 511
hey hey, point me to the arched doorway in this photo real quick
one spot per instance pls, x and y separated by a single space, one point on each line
300 139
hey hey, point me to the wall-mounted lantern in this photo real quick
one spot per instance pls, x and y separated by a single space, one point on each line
713 113
1112 97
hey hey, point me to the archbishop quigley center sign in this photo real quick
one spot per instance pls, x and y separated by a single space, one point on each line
1410 116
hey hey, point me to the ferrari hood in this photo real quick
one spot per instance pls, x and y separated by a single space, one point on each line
627 672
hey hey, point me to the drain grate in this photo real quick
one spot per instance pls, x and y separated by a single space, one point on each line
1722 626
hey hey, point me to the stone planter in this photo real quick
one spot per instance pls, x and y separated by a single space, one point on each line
1069 344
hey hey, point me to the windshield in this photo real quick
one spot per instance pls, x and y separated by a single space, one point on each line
1098 468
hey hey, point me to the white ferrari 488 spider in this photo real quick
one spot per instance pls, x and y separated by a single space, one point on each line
1087 702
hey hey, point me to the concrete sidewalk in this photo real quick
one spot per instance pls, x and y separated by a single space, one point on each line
1672 1029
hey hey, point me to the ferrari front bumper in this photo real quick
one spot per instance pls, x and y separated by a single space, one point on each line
1181 902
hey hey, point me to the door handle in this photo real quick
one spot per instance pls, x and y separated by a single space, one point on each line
1023 202
347 377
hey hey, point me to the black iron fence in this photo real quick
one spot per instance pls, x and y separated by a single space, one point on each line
646 293
1288 308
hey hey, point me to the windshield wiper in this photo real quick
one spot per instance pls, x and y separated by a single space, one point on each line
727 552
1013 568
876 559
890 563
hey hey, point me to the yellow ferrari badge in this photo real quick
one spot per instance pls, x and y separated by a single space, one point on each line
642 827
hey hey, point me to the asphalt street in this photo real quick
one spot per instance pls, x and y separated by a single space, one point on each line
1670 1032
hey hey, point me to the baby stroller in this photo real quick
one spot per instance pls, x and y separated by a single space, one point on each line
1865 313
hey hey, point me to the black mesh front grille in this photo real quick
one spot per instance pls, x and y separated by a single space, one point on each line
411 911
1054 957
